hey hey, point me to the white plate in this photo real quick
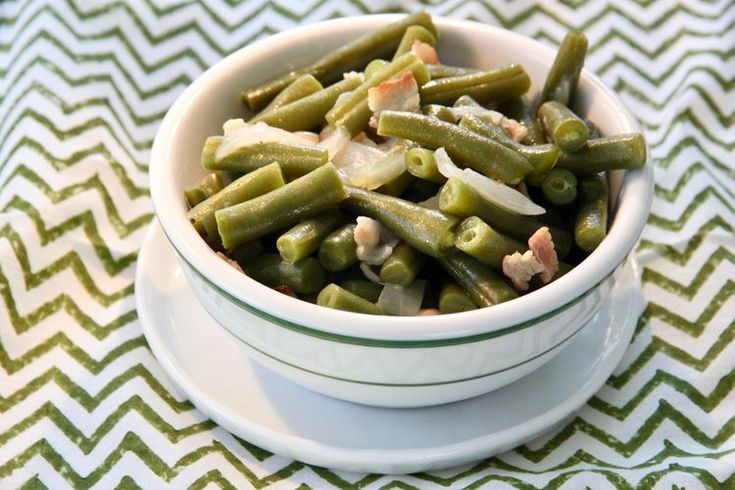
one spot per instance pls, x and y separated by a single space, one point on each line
210 366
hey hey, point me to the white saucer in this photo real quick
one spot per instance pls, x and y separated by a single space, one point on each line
212 369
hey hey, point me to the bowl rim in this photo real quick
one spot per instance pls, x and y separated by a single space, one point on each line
635 198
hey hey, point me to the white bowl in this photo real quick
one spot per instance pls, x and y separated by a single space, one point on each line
381 360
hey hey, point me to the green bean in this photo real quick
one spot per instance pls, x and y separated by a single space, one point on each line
444 71
304 197
483 284
439 111
412 34
338 251
421 190
427 230
563 126
454 299
561 82
308 112
468 148
397 186
245 252
246 187
364 289
353 112
375 66
590 226
477 238
402 266
212 184
298 89
303 277
485 86
295 159
459 199
351 56
420 163
560 187
338 298
193 196
520 109
624 151
303 239
466 100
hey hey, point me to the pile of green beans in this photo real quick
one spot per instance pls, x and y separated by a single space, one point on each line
285 214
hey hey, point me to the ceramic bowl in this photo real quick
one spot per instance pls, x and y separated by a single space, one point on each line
382 360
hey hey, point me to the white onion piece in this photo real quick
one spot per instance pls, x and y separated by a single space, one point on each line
231 125
334 139
493 116
499 194
309 136
354 162
383 171
369 273
241 135
397 300
375 243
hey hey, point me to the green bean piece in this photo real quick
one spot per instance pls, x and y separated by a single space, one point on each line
339 298
561 82
466 101
353 112
303 239
402 266
623 151
420 190
413 34
427 230
560 187
352 56
590 226
439 111
459 199
298 89
212 184
466 147
563 126
444 71
420 163
484 86
478 239
338 250
364 289
295 159
483 284
308 112
303 277
193 196
520 109
246 187
304 197
454 299
245 252
397 186
375 66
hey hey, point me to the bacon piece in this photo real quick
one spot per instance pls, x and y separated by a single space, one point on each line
374 242
517 131
230 261
521 268
285 289
543 249
428 312
397 94
425 52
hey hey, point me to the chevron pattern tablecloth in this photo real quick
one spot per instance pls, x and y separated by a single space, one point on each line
83 402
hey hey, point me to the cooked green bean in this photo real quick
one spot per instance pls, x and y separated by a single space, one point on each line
427 230
303 238
468 148
245 252
483 284
485 86
338 251
352 56
420 162
623 151
353 112
444 71
246 187
563 126
412 34
439 111
519 108
477 238
212 184
375 66
561 81
560 187
193 196
298 89
308 112
590 226
306 196
364 289
459 199
402 266
454 299
339 298
303 277
397 186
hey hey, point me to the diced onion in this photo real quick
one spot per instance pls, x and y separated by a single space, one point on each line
367 167
334 140
494 117
369 273
499 194
239 134
403 301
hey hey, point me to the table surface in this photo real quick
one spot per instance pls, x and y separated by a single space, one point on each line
83 402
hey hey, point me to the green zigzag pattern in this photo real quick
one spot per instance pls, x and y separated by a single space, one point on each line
121 82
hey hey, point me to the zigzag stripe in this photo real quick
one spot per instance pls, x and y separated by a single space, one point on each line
691 170
703 275
682 257
697 202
